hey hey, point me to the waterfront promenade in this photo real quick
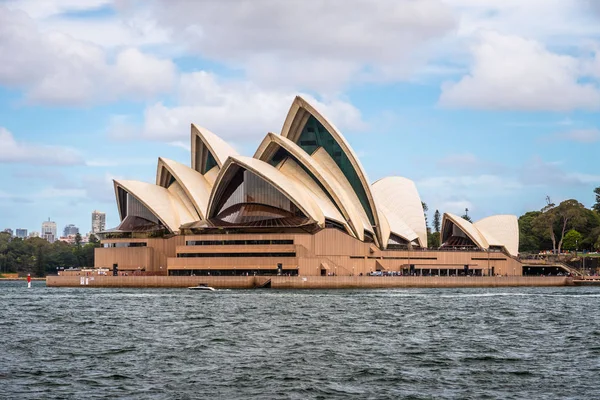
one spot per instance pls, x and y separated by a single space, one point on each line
307 282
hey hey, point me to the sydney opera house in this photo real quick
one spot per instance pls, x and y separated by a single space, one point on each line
302 205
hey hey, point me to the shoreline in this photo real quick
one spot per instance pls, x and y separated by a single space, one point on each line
22 279
305 282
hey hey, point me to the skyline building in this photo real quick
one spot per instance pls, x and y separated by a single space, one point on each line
70 230
21 233
49 231
8 230
98 221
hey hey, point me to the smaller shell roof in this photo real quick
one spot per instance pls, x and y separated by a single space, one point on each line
196 186
399 200
501 230
166 207
468 228
219 148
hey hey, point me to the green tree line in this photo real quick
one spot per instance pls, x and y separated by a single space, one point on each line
38 257
567 226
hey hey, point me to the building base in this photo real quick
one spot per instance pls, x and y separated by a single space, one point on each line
307 282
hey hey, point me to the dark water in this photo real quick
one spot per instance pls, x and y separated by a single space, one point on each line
521 343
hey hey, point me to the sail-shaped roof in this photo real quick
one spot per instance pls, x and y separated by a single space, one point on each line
167 208
208 150
308 128
399 200
196 187
501 230
466 227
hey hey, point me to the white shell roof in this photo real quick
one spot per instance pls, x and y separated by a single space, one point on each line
159 201
399 200
468 228
300 178
196 186
219 148
501 230
324 159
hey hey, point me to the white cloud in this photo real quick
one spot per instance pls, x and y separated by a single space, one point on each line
510 72
311 44
579 135
538 172
561 22
141 74
233 110
48 8
58 69
12 151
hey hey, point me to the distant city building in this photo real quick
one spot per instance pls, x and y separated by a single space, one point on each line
34 234
8 230
70 230
21 233
71 239
98 221
49 230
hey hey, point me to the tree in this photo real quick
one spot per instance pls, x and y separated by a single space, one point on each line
466 216
77 239
572 240
543 225
596 206
425 209
436 221
529 240
570 214
433 240
554 221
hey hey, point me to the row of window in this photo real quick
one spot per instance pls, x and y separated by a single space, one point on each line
214 255
235 242
120 244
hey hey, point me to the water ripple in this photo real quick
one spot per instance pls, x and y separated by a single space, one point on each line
509 343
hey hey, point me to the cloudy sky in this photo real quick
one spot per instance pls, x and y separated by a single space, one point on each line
485 104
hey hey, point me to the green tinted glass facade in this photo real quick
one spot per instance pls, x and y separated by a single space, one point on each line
210 162
313 136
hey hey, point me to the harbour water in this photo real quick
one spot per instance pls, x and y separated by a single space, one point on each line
488 343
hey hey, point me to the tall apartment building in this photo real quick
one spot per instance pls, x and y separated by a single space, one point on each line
9 231
98 221
21 233
70 230
49 231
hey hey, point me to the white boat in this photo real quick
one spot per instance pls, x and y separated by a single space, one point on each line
202 286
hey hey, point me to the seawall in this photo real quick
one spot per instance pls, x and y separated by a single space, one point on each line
308 282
